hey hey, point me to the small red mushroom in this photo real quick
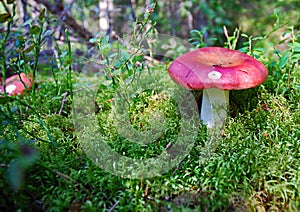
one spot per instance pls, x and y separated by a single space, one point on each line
216 70
17 84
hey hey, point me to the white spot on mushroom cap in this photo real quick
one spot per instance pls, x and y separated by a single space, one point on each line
10 89
214 75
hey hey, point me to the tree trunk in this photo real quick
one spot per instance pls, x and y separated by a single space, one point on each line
105 20
67 18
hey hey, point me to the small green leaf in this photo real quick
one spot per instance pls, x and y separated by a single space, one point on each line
258 38
269 44
283 60
48 33
19 49
295 46
260 50
15 175
94 40
244 49
105 40
272 64
106 83
244 35
4 17
283 40
13 60
69 61
35 30
42 15
276 12
29 48
105 49
295 58
28 22
21 38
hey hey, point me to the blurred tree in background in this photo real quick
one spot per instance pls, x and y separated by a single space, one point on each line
115 17
90 19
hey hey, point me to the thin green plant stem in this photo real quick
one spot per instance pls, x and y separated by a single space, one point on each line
54 76
37 50
4 69
3 63
69 81
69 78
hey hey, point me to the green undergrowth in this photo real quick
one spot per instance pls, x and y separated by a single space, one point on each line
255 165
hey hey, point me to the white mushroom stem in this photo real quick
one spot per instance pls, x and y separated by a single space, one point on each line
214 108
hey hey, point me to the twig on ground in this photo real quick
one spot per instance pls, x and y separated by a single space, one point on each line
178 167
66 94
68 178
114 206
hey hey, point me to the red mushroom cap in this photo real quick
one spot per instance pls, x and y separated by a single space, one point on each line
17 84
216 67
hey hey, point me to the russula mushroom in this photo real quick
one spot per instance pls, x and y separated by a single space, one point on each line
216 70
17 84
